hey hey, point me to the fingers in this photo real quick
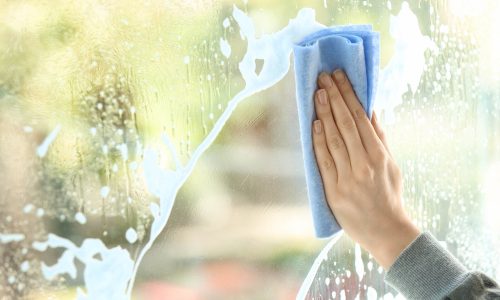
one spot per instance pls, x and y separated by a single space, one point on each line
325 161
345 122
369 138
334 141
380 132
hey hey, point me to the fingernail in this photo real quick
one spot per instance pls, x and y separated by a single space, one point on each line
339 75
317 126
322 96
325 80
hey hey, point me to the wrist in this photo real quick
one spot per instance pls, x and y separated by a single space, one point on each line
393 241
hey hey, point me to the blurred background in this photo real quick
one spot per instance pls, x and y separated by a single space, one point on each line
86 85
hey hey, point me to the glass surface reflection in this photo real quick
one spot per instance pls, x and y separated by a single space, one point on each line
104 106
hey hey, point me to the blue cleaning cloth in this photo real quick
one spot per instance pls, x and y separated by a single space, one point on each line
356 50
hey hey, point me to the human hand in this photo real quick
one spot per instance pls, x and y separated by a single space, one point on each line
363 184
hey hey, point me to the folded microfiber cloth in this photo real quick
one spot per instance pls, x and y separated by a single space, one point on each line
356 50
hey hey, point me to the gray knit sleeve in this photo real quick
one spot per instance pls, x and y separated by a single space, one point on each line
425 270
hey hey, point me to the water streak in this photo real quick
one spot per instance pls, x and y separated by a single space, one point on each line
41 150
6 238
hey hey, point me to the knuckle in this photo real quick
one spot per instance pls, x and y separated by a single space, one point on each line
335 94
347 91
323 113
316 144
347 123
319 148
379 157
342 83
341 193
327 164
364 173
397 171
359 114
335 142
367 170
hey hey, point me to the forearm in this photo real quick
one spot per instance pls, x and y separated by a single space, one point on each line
425 270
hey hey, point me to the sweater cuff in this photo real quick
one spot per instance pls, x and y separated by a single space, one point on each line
425 270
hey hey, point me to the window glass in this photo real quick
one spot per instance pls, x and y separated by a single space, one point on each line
150 150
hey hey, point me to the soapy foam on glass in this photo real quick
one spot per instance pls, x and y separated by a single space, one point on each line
6 238
112 276
274 50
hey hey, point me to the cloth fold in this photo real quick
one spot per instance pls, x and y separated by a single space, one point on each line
356 50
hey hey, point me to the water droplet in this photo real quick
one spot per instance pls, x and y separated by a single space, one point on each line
40 212
80 218
104 191
28 208
225 48
25 266
131 235
11 279
123 150
133 165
